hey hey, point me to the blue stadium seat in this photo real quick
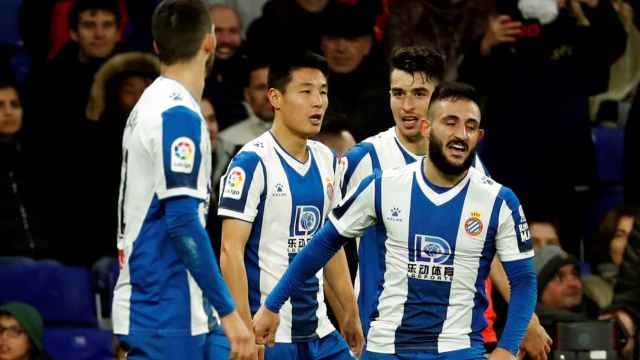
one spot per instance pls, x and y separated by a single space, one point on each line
609 147
78 343
62 294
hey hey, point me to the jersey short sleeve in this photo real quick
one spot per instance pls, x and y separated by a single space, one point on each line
242 187
357 211
513 240
177 152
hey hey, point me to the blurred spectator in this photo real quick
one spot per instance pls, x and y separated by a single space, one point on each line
442 24
287 26
248 10
21 332
55 111
358 84
612 241
540 72
19 220
222 152
560 292
117 87
93 29
626 297
226 82
625 73
632 138
543 233
257 105
334 135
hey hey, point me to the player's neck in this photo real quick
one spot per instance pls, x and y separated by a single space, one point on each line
417 146
439 178
184 73
292 143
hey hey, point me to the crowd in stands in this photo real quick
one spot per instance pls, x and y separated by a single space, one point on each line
561 111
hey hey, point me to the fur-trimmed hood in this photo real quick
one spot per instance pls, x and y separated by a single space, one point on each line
137 63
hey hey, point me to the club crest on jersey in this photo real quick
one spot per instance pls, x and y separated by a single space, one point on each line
235 183
473 225
182 155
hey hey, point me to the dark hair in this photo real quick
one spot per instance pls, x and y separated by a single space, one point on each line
281 68
607 231
254 64
80 6
454 91
422 59
178 27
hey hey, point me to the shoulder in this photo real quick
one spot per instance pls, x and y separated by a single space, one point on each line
402 173
502 193
359 151
319 148
259 148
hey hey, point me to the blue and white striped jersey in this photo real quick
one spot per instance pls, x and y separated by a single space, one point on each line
383 151
437 247
166 153
286 201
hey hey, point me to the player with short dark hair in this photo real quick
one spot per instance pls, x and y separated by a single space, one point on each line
443 221
275 195
169 288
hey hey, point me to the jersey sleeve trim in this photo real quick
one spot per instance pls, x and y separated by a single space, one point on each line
181 192
236 215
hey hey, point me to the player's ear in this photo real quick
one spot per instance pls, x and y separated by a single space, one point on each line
156 50
73 35
424 126
275 98
209 43
480 134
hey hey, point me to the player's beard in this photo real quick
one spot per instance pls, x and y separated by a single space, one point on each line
438 158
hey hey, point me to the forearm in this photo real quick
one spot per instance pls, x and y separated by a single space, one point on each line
522 280
338 278
500 280
194 250
333 301
325 243
235 274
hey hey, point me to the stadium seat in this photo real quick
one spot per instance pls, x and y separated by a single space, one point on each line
609 148
78 343
62 294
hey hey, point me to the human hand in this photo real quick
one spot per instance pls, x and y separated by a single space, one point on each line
240 338
265 324
536 342
501 29
501 354
351 329
629 326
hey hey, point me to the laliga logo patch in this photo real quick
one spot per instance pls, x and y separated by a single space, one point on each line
235 183
182 155
473 225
